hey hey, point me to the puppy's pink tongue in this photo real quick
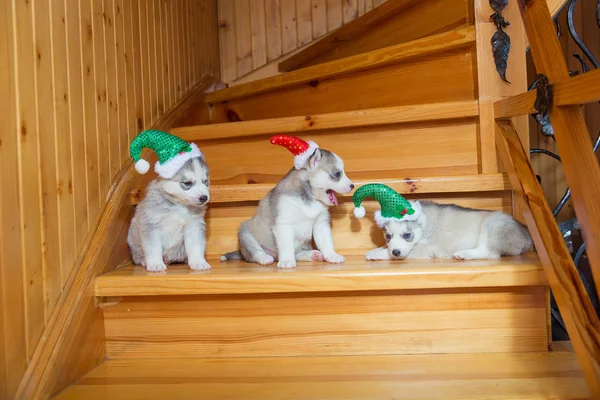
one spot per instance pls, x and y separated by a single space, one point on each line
332 197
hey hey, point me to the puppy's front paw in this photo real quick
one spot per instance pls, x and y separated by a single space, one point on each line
334 258
371 255
317 256
156 267
263 259
286 264
201 265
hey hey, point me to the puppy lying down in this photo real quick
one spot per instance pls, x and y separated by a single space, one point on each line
425 229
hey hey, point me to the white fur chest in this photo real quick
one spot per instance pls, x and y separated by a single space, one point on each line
300 215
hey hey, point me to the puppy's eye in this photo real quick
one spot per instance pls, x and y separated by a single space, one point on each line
337 174
388 237
206 182
186 185
407 236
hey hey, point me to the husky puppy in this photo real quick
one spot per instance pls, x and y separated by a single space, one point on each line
168 225
294 211
445 231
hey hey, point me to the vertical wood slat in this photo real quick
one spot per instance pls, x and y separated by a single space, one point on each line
121 105
166 54
185 45
289 34
145 63
319 18
334 14
131 115
152 80
51 248
228 42
101 106
243 30
273 23
76 123
177 48
350 10
303 22
259 33
111 88
14 345
157 59
87 34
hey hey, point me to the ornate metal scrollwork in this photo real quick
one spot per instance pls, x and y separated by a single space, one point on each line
500 39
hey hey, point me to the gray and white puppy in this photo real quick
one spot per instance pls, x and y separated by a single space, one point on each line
168 225
294 211
450 231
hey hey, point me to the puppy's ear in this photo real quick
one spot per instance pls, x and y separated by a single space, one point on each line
314 160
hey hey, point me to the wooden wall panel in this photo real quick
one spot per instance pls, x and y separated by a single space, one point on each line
256 32
395 322
78 80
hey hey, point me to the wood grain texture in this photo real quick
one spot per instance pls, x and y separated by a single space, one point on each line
238 277
448 76
448 376
446 184
570 294
580 163
73 341
346 119
377 58
395 22
580 89
328 324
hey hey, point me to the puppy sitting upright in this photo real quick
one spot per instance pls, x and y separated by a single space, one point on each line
168 225
295 210
430 230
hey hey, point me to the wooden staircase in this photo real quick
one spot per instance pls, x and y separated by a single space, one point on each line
405 111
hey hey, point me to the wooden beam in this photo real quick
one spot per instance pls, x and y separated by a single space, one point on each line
441 184
580 89
570 294
344 119
575 147
389 55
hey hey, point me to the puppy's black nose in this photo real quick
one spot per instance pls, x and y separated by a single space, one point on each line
396 252
352 186
202 199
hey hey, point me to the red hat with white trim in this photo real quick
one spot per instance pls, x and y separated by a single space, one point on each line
302 150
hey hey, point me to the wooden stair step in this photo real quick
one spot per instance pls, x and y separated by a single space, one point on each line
335 120
554 375
389 55
234 193
356 274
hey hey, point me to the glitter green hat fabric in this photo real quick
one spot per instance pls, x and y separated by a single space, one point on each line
393 205
164 144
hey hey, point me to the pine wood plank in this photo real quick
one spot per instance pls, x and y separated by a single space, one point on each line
319 18
112 89
344 119
145 77
304 21
87 34
13 316
333 324
350 10
397 21
576 308
158 58
334 14
273 21
445 184
399 53
243 32
289 34
228 42
153 76
167 49
76 123
129 47
498 376
121 106
259 33
355 274
51 259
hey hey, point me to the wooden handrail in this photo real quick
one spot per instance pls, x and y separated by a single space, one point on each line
573 301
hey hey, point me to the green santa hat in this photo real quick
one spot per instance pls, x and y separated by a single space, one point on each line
172 152
393 205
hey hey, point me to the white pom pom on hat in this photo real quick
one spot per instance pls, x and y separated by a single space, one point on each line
142 166
360 212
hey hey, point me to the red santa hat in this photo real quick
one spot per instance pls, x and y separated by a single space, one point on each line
301 149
